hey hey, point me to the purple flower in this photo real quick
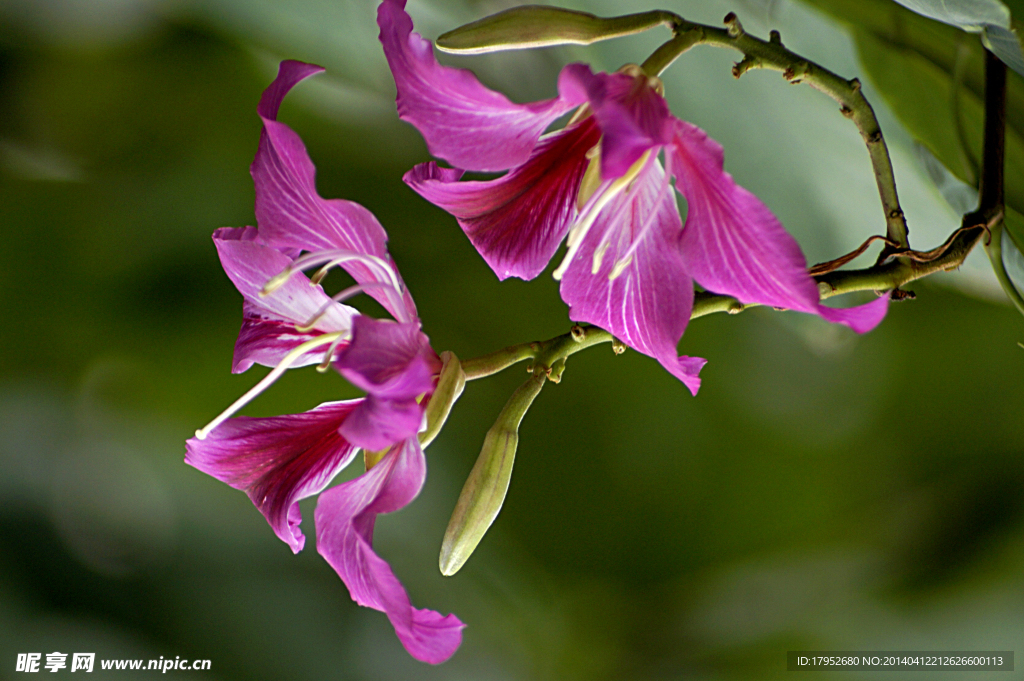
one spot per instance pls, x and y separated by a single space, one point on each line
288 320
598 184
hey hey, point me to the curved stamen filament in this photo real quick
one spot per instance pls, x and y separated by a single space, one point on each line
337 298
331 258
275 374
329 355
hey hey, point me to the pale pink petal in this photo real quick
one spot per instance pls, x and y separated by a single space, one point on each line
291 214
516 221
268 328
278 460
733 245
648 305
462 121
345 517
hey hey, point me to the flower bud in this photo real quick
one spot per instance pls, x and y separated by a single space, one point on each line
485 488
449 388
532 26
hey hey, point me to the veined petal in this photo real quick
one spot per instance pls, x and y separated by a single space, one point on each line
388 359
345 517
291 214
647 306
633 117
733 245
463 122
394 364
516 221
277 461
379 423
266 341
268 328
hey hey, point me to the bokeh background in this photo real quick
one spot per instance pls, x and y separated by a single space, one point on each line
824 491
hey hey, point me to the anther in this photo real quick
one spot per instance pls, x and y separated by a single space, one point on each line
276 282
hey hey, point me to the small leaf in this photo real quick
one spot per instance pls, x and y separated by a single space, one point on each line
1004 44
960 196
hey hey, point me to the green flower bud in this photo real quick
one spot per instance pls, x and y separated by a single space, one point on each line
449 388
531 26
485 488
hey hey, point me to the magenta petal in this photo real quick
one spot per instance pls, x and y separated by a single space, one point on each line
291 214
648 305
462 121
277 461
345 518
633 117
289 74
379 423
733 245
388 359
268 328
516 221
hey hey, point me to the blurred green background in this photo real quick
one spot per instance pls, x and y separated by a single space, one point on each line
824 491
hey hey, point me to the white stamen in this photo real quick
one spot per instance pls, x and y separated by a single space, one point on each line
625 259
275 373
337 298
619 266
597 204
329 355
332 258
599 256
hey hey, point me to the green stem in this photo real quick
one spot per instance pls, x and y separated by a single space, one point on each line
551 354
760 54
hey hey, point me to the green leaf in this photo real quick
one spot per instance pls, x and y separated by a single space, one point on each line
1004 44
932 76
970 15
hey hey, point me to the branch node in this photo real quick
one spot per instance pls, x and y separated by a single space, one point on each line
736 308
578 333
618 347
899 294
846 111
747 63
875 137
734 27
775 38
854 84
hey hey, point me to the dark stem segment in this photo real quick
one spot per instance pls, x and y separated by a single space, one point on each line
993 161
771 54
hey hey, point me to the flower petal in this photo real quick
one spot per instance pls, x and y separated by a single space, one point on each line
462 121
268 328
345 517
633 117
648 305
394 364
733 245
277 461
516 221
291 214
379 423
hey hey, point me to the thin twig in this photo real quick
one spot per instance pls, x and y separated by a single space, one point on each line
771 54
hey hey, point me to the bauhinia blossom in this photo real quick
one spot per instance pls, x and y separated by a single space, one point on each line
288 320
598 183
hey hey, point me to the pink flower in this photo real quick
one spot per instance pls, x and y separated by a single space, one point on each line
599 184
288 320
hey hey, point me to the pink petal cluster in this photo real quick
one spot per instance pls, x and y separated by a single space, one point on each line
280 460
631 260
